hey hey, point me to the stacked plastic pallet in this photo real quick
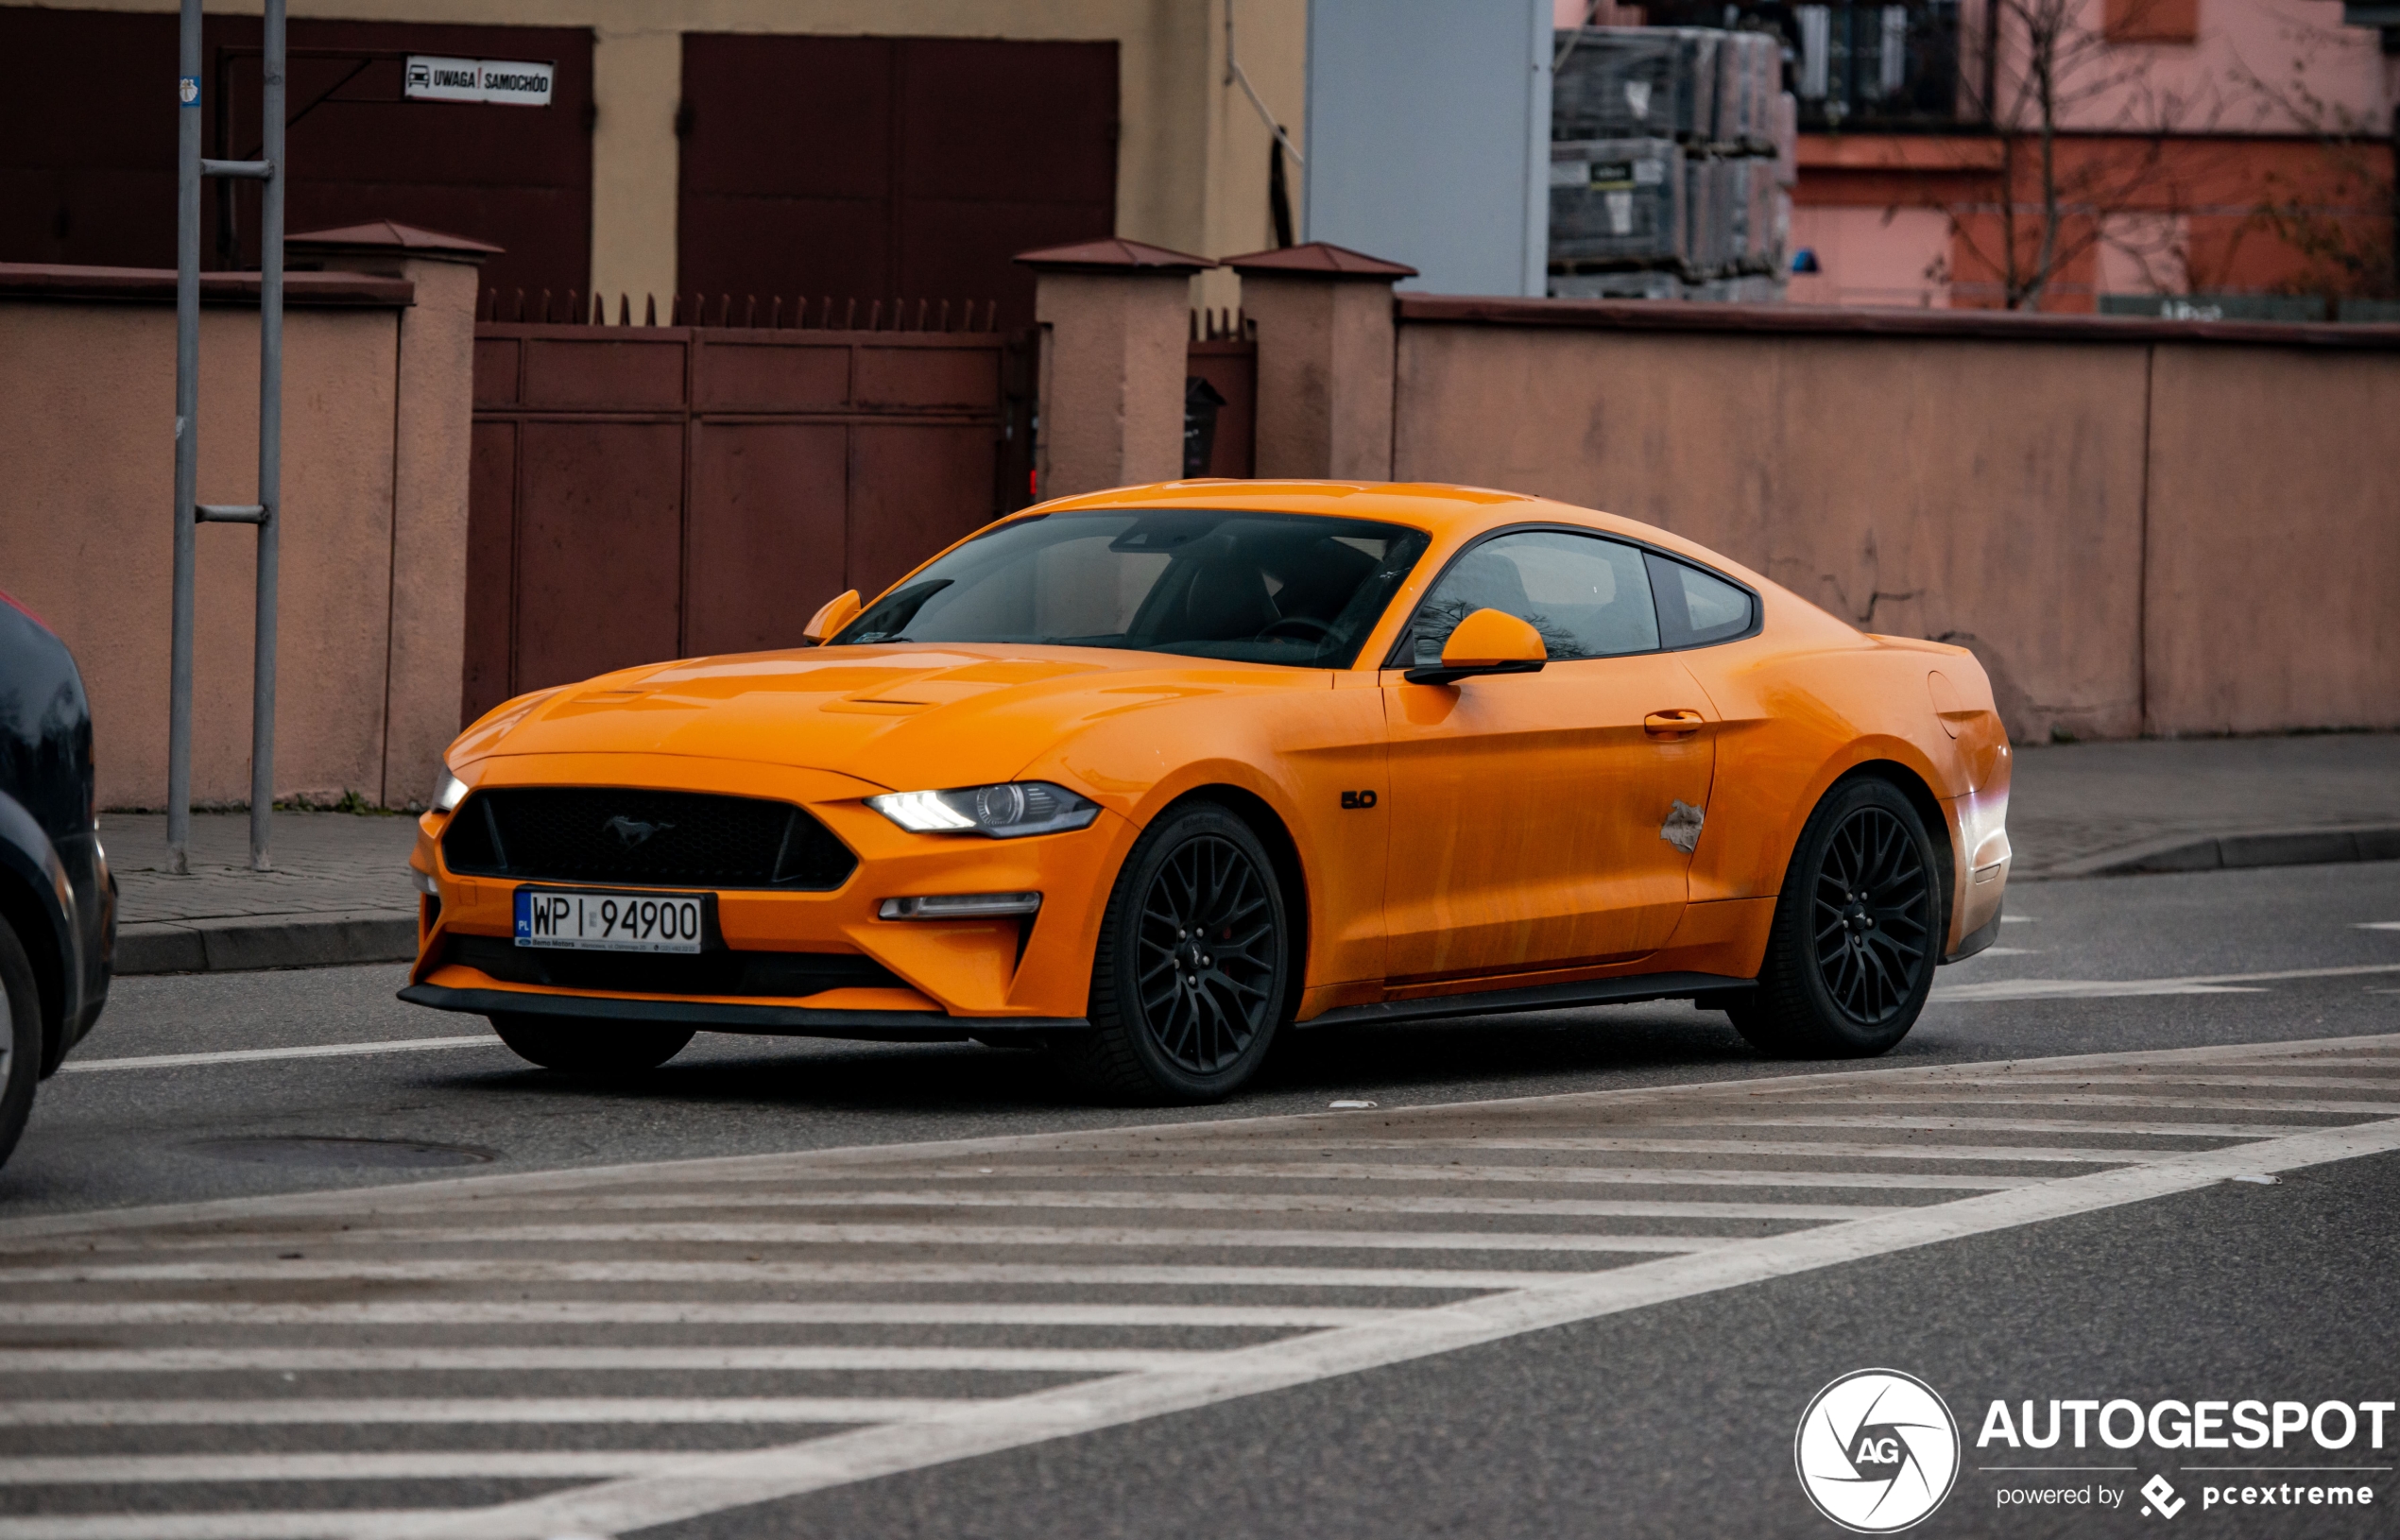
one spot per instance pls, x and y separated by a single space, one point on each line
1672 156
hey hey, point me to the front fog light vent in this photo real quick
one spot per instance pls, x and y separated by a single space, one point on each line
959 906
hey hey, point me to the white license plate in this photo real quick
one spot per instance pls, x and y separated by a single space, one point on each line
604 922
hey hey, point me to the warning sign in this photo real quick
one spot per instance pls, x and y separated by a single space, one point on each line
507 81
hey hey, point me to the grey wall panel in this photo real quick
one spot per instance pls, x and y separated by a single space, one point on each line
1429 137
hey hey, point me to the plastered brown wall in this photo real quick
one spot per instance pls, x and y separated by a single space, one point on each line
1325 361
1988 492
2273 590
375 422
433 427
1112 371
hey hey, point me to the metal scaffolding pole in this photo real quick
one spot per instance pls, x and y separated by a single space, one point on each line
270 437
187 436
190 168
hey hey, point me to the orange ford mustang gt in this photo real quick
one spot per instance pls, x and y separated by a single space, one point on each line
1149 775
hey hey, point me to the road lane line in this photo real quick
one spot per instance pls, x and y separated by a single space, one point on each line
454 1313
257 1055
328 1411
713 1484
499 1359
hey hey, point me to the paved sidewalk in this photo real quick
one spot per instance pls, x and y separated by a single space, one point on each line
340 893
2191 804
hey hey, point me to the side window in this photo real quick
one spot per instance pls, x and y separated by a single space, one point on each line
1588 597
1695 607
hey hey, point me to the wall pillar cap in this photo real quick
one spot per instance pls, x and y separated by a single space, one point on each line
1113 256
388 238
1320 259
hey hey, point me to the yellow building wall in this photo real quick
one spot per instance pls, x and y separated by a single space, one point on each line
1192 160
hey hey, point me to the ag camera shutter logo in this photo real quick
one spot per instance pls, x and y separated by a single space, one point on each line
1878 1451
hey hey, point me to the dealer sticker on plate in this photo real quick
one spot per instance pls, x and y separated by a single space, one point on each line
603 921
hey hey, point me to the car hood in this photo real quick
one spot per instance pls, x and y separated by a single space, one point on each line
905 717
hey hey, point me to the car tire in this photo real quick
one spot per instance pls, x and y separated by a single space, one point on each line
1190 976
591 1046
20 1038
1858 930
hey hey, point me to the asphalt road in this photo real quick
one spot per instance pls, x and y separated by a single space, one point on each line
1672 1416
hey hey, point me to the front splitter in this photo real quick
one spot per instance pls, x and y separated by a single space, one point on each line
759 1021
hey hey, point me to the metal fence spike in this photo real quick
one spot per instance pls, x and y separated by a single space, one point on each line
649 310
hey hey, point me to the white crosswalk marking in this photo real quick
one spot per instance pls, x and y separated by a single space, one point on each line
630 1313
348 1465
648 1411
512 1359
721 1294
673 1232
2024 1125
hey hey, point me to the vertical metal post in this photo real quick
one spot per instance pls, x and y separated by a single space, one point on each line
270 435
187 436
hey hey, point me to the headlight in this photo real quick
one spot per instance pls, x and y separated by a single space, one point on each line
1008 811
448 792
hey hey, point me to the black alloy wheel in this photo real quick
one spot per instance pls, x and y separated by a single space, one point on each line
1873 916
1190 978
1858 930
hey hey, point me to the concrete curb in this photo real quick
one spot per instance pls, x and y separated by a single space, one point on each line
244 942
2215 852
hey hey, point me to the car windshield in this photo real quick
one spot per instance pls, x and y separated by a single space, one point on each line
1257 588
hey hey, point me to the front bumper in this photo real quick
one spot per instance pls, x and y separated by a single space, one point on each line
936 979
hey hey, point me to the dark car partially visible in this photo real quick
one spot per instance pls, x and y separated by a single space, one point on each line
57 902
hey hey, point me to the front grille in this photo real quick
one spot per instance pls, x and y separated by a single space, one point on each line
646 838
786 975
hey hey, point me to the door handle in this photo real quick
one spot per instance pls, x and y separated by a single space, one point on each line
1672 723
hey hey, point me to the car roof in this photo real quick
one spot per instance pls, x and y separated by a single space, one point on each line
1441 510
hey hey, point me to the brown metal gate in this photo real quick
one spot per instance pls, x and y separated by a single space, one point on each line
645 492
